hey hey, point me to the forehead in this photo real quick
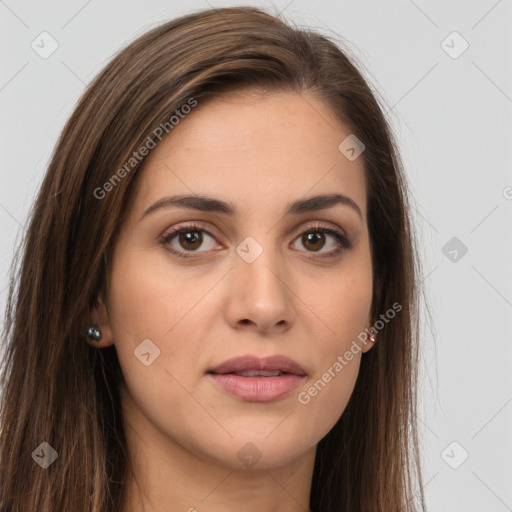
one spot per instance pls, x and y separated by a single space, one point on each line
244 147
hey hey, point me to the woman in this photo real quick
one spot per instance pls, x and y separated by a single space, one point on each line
216 306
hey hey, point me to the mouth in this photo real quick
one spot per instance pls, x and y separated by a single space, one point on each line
253 373
251 366
258 379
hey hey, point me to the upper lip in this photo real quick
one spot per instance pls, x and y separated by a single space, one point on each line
249 362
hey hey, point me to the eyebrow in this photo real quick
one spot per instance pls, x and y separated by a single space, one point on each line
209 204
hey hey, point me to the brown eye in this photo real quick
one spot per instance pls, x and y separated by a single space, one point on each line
190 240
313 241
185 241
317 237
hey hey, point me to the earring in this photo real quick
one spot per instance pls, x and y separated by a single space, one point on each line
94 333
373 337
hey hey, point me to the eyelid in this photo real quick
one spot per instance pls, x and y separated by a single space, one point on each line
183 227
343 241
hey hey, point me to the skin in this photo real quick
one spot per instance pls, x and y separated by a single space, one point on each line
258 152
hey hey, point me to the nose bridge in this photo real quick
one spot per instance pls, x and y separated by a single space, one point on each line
258 261
258 279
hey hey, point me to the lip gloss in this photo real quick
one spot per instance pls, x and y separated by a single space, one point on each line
257 389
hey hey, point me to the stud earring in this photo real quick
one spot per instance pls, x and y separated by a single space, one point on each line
94 333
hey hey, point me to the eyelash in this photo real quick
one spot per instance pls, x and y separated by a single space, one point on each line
342 241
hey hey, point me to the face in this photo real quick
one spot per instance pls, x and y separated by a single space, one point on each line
244 277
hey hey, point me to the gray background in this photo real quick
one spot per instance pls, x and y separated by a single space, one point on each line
452 117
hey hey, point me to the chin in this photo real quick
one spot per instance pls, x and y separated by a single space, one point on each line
260 452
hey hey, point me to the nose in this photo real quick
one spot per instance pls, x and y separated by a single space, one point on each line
260 296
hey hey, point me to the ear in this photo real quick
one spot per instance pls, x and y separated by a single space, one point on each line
101 318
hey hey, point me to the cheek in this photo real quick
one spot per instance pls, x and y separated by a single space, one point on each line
143 306
148 301
343 310
322 400
150 325
147 298
341 307
138 301
326 396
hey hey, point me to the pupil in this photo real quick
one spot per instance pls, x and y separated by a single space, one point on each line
191 238
312 238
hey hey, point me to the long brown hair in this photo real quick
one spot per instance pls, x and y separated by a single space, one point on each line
58 389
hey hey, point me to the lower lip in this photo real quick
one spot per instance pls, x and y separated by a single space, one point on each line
257 389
